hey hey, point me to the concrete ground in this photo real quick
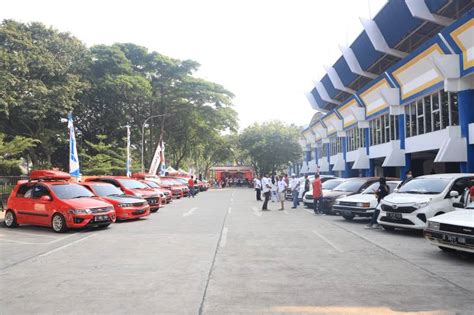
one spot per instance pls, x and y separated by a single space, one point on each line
219 254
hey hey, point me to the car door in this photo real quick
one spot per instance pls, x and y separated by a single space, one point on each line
22 203
38 211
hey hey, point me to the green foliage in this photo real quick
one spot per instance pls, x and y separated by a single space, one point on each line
270 146
11 151
102 158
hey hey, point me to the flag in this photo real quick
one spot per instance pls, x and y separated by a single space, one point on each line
155 163
163 161
128 163
74 170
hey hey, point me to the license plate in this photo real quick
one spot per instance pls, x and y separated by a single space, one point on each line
394 215
454 239
101 218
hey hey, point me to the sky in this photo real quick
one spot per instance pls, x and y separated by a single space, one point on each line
268 53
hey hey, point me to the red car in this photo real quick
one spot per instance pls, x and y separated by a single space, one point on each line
126 207
48 199
131 187
176 192
172 182
166 194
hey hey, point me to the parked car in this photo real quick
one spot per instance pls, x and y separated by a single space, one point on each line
453 231
302 180
176 192
131 187
48 199
363 204
421 199
166 196
351 186
327 186
126 207
172 182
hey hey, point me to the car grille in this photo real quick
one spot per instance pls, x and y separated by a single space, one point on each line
152 201
142 211
138 204
401 221
100 210
398 209
348 203
456 229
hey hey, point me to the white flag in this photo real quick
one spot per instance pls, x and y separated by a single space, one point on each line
155 163
73 157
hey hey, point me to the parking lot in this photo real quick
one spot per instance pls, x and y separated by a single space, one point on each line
219 254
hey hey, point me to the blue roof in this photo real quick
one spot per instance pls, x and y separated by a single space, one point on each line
318 98
435 5
329 87
396 22
345 73
365 51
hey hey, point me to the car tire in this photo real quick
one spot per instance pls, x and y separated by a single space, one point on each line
348 217
387 227
154 210
10 219
58 223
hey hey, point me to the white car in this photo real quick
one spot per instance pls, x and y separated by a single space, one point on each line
302 180
453 231
363 204
421 199
327 186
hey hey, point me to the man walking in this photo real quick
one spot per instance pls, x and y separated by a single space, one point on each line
266 186
317 195
295 189
281 192
258 188
191 187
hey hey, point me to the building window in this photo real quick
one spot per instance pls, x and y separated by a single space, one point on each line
355 139
431 113
384 129
336 145
324 152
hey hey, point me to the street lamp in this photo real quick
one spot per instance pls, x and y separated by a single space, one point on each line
143 137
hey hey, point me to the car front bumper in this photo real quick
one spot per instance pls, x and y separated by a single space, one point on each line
445 239
362 212
77 221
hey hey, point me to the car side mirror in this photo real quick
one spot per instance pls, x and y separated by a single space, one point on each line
45 198
453 194
395 190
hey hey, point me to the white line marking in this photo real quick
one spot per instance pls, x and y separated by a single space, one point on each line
32 234
190 212
36 243
66 245
24 243
257 212
328 241
62 238
224 237
230 210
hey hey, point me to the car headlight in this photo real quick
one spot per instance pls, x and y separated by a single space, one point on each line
433 225
138 195
421 204
337 202
125 205
80 211
363 204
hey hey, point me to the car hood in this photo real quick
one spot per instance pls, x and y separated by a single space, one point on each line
83 203
359 198
458 217
123 199
145 192
332 194
402 198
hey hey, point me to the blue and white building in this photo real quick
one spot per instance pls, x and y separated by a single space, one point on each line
400 97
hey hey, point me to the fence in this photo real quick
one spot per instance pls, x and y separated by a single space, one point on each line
7 183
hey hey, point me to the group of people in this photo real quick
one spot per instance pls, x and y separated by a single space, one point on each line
232 182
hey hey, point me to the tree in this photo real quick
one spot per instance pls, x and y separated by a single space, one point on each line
103 159
12 151
270 146
40 80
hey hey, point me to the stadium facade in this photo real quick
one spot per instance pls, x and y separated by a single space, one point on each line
400 97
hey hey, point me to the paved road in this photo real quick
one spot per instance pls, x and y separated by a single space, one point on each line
218 254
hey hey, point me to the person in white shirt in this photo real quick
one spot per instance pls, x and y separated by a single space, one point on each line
258 188
295 190
274 189
281 191
266 186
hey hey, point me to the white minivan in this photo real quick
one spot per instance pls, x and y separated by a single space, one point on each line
422 198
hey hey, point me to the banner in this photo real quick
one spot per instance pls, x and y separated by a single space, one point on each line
155 163
74 169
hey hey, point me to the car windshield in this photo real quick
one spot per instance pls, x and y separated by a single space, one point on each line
132 184
372 188
428 186
152 184
71 191
107 190
350 185
331 184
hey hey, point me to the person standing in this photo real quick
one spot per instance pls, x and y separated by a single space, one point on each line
383 191
258 188
266 187
307 185
191 187
282 186
274 189
317 195
295 190
408 177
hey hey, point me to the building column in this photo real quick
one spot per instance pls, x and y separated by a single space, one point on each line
466 116
401 134
328 151
346 172
370 171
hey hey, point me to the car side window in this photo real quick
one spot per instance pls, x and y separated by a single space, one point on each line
461 184
39 191
22 191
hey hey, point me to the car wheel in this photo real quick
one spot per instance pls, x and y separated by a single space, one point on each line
439 213
154 210
10 219
388 227
58 223
348 217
